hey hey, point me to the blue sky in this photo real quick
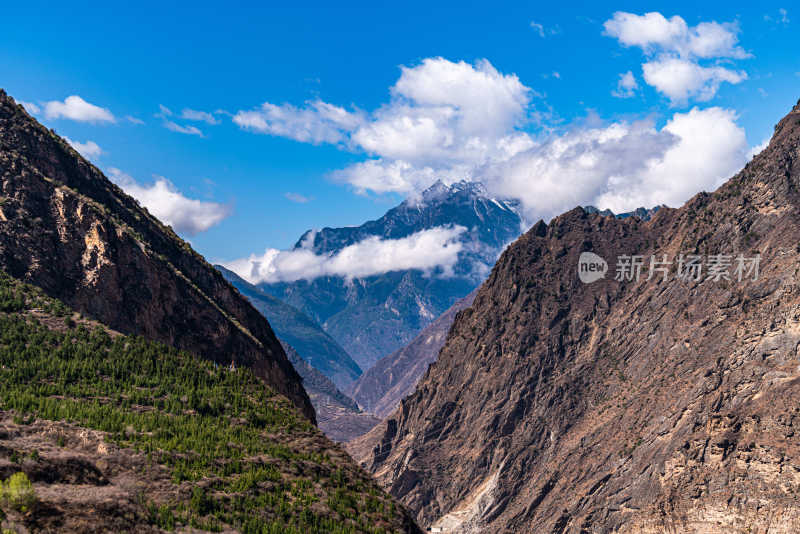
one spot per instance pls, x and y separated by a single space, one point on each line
129 60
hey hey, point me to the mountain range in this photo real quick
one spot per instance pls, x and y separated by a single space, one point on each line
622 403
635 373
376 315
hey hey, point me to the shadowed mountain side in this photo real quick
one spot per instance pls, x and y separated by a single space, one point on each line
338 416
301 332
394 377
67 229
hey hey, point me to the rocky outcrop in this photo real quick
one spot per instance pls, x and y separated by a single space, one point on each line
394 377
620 406
67 229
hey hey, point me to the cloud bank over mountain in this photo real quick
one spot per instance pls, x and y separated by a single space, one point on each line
426 250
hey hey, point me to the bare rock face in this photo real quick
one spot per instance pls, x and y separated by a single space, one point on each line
394 377
619 406
67 229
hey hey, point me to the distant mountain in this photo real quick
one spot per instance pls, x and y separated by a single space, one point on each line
374 316
644 214
338 416
301 332
635 404
380 389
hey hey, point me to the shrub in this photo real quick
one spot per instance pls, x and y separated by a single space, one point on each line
17 493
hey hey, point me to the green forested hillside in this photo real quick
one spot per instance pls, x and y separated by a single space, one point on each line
239 455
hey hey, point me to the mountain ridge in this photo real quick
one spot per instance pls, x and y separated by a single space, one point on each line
636 407
68 229
338 416
300 331
103 432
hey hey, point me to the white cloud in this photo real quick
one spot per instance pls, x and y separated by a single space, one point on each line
319 122
782 18
297 197
195 115
710 148
428 250
389 176
675 51
435 107
622 166
654 33
681 80
133 120
626 86
89 149
30 107
543 31
455 121
477 98
444 119
77 109
164 113
188 130
186 215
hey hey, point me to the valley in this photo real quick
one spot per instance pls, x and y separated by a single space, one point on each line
399 268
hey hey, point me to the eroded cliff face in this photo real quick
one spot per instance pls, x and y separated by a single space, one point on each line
67 229
637 407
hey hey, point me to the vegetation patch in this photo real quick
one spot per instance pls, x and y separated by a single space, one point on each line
242 456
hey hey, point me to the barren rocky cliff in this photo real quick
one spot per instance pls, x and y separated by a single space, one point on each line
660 405
67 229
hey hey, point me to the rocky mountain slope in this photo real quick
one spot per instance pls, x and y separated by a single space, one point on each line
301 332
394 377
67 229
620 406
374 316
102 432
338 416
